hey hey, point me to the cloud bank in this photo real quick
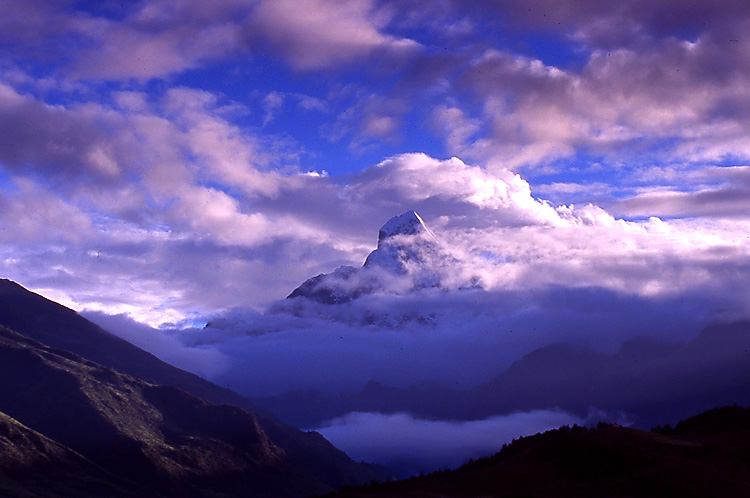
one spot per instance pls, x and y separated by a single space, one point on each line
410 446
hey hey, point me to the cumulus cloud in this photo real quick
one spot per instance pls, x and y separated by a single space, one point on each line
409 446
421 181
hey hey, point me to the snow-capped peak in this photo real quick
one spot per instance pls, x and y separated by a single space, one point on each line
408 258
408 223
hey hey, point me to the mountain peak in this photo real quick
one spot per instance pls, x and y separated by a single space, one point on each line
408 223
408 257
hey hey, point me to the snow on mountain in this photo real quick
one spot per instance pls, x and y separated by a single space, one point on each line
409 223
404 242
408 258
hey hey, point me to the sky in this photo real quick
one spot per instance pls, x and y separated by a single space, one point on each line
165 164
166 159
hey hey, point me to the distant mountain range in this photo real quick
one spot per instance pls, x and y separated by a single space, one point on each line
705 456
116 419
647 381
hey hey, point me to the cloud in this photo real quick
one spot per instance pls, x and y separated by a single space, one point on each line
421 181
32 214
636 83
458 128
155 39
616 24
370 119
409 446
313 34
272 103
622 100
206 361
721 192
452 339
157 184
59 142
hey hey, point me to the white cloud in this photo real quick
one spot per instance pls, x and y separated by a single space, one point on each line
199 192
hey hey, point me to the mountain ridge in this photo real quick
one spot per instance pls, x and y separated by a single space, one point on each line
41 319
648 381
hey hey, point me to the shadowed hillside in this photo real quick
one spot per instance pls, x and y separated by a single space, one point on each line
34 466
160 437
310 463
59 327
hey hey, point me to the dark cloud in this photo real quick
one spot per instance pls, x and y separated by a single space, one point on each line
617 22
155 39
63 145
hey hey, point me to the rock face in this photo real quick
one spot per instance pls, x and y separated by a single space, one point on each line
408 258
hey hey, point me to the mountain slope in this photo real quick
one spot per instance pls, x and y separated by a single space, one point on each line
59 327
158 436
705 456
34 466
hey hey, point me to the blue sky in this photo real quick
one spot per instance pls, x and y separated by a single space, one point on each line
169 159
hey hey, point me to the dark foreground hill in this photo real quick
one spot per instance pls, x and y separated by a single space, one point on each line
705 456
62 377
34 466
160 437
